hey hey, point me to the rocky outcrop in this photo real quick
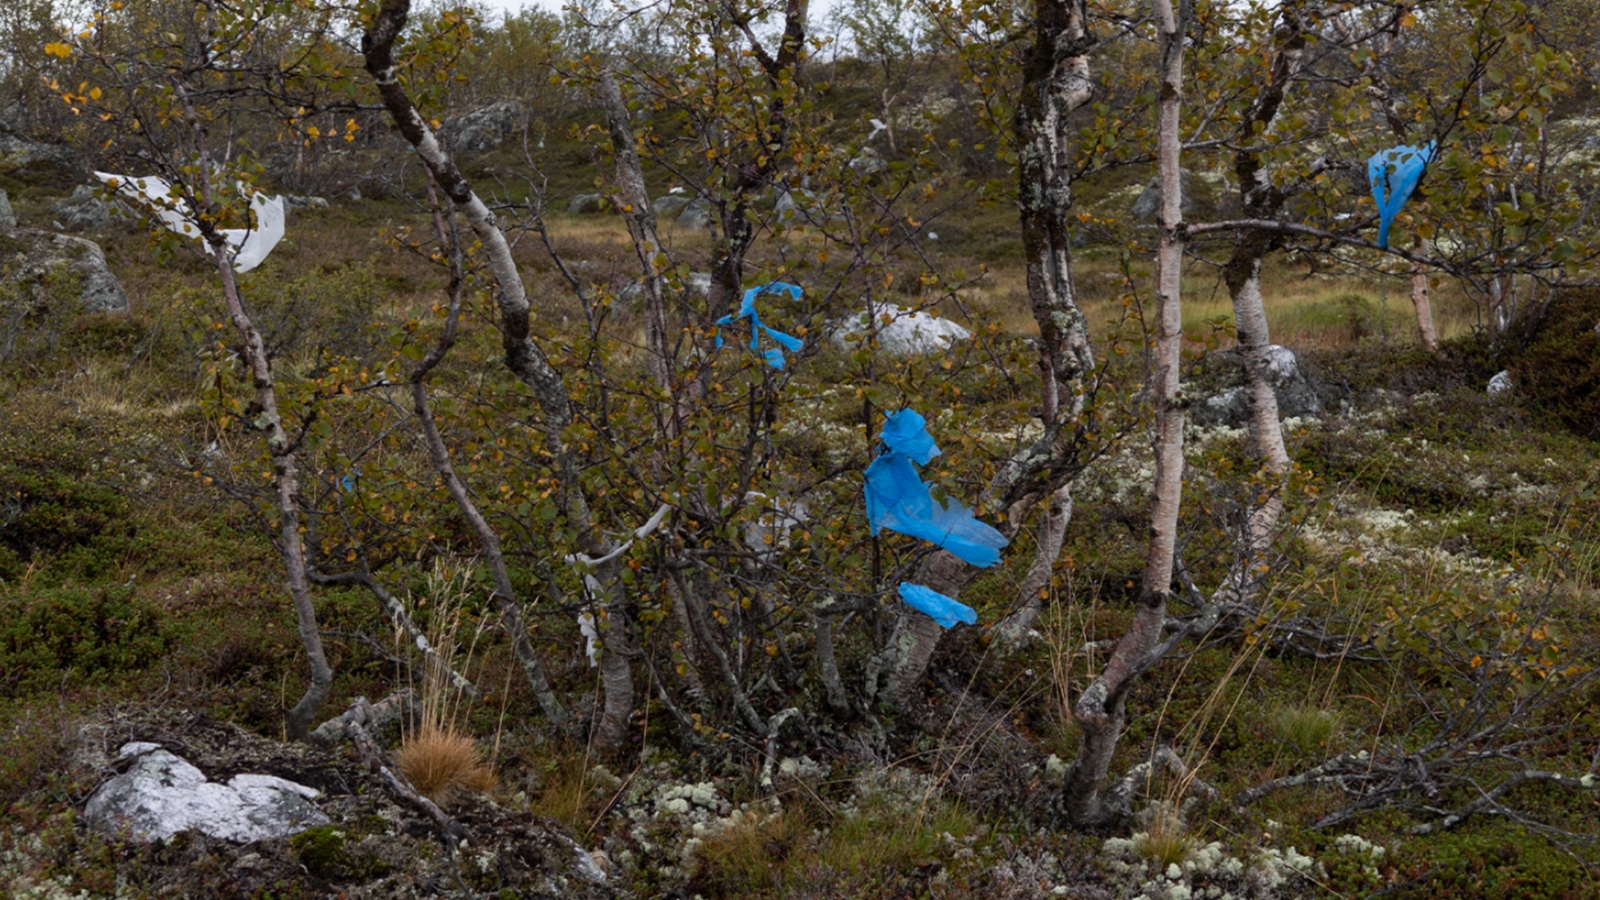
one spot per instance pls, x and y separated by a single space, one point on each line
584 204
1148 203
1221 385
20 150
669 205
697 214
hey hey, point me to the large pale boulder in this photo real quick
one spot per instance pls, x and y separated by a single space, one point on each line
901 332
161 795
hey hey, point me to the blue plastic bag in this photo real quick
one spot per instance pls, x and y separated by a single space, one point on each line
936 606
747 310
906 432
1394 174
899 500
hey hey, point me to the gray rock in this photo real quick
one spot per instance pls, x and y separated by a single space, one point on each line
697 214
1221 382
83 211
698 284
485 128
668 205
586 203
867 162
8 217
29 259
161 795
1148 204
294 203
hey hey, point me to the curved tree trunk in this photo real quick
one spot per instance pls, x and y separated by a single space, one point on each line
268 421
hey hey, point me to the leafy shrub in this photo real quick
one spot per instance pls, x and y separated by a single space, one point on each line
50 512
1559 370
90 634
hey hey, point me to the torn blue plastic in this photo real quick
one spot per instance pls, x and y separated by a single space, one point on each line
1394 174
747 309
938 607
907 432
899 500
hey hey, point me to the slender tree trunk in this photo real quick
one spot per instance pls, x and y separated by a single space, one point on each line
285 479
1419 300
268 421
1101 710
488 540
1056 83
633 201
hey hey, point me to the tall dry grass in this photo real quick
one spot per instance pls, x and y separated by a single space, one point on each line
437 754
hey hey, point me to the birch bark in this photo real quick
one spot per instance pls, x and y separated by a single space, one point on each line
1100 711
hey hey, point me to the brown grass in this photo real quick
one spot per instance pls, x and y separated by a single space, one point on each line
443 764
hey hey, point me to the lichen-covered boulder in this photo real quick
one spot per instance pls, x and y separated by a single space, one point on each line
1221 385
35 264
8 216
696 214
669 205
485 128
586 203
162 794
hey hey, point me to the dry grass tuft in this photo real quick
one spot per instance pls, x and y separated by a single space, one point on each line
442 764
437 755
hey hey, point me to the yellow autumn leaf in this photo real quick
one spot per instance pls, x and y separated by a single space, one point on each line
56 48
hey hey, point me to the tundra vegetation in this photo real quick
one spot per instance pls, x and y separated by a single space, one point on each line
500 435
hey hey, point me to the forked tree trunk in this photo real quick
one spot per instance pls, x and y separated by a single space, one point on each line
523 357
1260 199
1101 710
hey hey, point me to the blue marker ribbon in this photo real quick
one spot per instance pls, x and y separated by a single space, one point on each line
747 309
936 606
